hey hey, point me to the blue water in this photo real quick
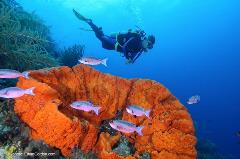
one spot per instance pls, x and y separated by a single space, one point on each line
197 51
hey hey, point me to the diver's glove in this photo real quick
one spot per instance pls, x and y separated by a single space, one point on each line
128 61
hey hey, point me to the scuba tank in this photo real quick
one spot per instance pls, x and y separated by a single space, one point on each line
141 32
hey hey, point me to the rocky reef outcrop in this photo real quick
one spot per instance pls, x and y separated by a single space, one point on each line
168 134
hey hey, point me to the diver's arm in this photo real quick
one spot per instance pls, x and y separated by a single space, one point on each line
125 49
129 58
132 59
136 57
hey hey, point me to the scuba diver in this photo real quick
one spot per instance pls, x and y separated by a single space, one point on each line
131 44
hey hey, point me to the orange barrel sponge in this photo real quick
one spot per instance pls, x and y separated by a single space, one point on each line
168 133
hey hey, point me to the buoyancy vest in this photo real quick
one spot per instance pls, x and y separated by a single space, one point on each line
134 46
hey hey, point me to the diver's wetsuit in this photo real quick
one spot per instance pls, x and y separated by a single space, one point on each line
130 43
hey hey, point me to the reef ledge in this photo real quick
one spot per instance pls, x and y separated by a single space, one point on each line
168 134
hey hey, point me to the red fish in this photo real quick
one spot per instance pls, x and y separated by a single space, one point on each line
85 106
138 111
7 73
14 92
93 61
126 127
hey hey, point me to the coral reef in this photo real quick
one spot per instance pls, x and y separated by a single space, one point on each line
25 41
169 133
71 55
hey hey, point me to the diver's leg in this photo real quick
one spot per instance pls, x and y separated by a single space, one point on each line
107 42
97 30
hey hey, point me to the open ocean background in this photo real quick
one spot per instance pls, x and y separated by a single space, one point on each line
197 51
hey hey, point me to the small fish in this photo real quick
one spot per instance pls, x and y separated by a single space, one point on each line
85 106
7 73
138 111
126 127
93 61
194 99
14 92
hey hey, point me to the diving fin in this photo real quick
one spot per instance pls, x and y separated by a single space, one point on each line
79 16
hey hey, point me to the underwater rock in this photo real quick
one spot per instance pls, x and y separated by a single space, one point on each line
169 133
145 155
2 153
123 147
10 124
79 154
38 148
